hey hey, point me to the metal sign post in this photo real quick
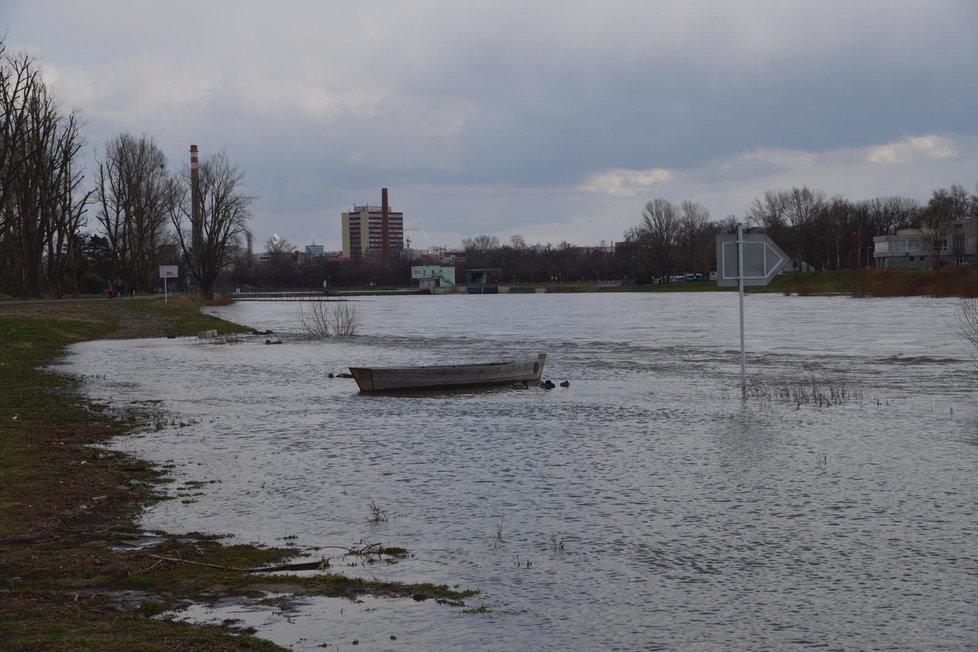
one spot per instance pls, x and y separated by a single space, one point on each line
740 285
167 271
742 260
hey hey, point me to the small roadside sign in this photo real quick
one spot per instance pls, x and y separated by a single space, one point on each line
763 260
167 271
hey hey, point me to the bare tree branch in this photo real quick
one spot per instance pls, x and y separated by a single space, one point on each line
224 212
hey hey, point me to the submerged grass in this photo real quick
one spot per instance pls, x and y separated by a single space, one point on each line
809 390
72 573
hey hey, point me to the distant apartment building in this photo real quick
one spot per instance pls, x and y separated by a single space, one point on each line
914 248
363 230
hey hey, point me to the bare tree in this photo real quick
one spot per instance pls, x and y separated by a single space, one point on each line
974 214
481 251
41 205
946 206
135 196
889 214
832 231
801 205
658 236
768 213
788 217
223 211
694 236
279 265
66 216
518 242
328 318
481 243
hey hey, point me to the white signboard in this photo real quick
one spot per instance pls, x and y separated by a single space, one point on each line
167 271
763 260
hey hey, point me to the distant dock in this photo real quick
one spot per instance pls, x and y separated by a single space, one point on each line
319 295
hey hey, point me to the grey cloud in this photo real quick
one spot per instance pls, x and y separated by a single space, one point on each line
322 102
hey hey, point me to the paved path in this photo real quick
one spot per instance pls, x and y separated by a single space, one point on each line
88 299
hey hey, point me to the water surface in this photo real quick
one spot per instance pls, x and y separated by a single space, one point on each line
644 507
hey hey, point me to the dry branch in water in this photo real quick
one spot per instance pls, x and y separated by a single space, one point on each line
329 318
968 321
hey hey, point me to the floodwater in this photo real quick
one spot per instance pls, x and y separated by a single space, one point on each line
646 506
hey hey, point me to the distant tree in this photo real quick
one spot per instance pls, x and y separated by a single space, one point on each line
278 246
946 206
801 205
279 268
886 215
974 214
727 225
768 213
694 237
481 251
243 263
98 256
481 243
223 209
658 236
135 196
831 233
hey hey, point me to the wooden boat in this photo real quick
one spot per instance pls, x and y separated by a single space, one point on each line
383 379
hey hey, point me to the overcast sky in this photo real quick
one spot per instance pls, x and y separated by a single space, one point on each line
553 120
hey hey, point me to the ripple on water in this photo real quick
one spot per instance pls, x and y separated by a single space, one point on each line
656 510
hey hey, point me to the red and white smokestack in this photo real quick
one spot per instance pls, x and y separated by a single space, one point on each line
194 170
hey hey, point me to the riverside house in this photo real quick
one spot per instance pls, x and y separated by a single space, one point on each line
914 248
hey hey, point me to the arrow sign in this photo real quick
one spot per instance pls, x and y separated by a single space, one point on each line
747 259
763 259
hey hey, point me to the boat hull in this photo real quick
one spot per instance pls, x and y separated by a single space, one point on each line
386 379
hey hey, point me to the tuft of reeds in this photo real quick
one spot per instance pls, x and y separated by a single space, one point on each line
811 390
377 515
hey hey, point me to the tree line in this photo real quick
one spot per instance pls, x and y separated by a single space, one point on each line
146 215
671 239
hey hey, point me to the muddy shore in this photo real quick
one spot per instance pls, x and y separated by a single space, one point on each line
75 575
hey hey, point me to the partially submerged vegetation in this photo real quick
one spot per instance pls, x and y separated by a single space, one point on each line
77 573
326 318
807 389
968 322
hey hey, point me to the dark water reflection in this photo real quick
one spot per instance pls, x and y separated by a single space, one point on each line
655 508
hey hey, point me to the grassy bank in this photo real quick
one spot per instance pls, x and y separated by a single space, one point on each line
882 283
67 507
859 283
